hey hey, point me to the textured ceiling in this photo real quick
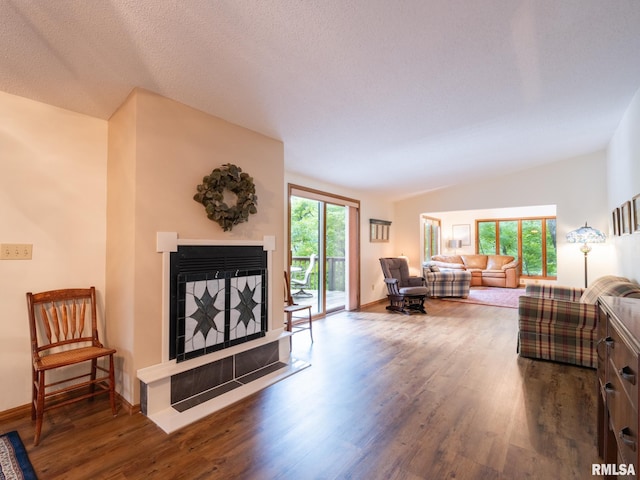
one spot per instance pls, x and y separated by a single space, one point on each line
396 97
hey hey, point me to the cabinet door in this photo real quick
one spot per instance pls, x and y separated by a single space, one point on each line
624 363
624 420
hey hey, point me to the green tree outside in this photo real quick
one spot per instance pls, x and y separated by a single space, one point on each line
506 243
305 237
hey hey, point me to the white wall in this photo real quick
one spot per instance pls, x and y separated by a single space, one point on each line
372 287
577 186
623 178
52 195
153 175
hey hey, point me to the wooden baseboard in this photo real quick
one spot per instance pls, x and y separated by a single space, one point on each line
126 406
25 410
375 302
17 412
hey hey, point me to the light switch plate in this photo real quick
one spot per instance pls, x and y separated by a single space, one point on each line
16 251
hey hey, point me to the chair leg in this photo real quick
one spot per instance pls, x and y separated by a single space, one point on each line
92 386
310 326
302 293
34 392
414 304
39 409
288 327
112 386
406 305
396 303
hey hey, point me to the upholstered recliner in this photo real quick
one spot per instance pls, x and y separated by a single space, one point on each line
560 323
406 293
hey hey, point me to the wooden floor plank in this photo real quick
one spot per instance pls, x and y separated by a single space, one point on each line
388 396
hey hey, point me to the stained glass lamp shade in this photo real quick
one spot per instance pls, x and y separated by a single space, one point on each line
586 235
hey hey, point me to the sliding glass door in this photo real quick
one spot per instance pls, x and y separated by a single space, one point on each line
319 250
335 258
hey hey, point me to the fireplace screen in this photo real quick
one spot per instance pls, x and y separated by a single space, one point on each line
216 308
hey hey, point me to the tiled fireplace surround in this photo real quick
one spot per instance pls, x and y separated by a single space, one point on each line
174 394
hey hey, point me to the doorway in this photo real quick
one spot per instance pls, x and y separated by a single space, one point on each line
323 250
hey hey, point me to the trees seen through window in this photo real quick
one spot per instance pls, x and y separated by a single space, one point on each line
532 240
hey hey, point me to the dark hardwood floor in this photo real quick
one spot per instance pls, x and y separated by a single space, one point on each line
388 396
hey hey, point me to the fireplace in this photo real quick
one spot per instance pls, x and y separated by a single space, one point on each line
218 298
219 343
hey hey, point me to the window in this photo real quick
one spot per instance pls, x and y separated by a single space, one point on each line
532 240
431 237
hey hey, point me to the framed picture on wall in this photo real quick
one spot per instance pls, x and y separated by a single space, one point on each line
625 220
463 233
615 221
379 230
635 205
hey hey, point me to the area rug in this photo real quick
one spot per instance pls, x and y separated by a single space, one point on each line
494 296
14 462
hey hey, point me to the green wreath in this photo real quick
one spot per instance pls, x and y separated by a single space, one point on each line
211 195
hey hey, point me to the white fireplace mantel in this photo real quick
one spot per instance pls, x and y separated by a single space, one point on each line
167 242
156 379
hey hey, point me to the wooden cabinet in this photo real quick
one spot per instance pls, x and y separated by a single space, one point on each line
618 380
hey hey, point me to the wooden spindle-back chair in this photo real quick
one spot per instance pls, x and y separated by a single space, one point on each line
290 307
64 332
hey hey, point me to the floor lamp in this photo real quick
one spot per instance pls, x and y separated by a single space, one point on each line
455 245
586 235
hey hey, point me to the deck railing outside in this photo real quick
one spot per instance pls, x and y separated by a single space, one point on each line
335 272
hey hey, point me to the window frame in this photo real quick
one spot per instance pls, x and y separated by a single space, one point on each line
543 236
435 226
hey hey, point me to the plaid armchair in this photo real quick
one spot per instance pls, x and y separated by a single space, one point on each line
560 323
453 283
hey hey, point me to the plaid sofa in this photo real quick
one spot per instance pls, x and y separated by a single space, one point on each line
560 323
452 283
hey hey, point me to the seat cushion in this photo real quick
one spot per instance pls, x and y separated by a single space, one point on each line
493 274
67 357
495 262
475 261
414 291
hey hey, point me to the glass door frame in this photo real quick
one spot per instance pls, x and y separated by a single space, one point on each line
352 244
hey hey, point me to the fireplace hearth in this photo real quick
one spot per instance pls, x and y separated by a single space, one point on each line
219 343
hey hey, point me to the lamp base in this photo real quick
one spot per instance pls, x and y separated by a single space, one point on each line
585 263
